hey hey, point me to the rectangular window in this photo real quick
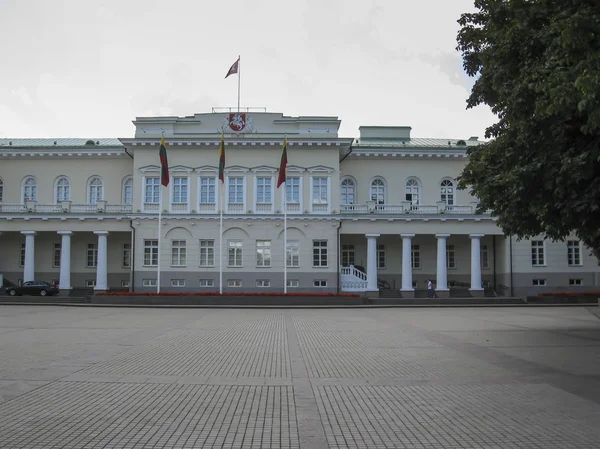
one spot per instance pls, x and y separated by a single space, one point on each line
150 253
539 282
319 190
56 255
573 253
575 281
124 284
92 255
235 253
178 253
126 262
263 253
537 253
381 257
347 255
177 282
90 283
207 253
319 253
236 190
234 283
292 283
207 190
180 190
292 190
415 254
207 283
264 191
22 255
151 190
263 283
485 260
293 253
148 282
319 283
450 258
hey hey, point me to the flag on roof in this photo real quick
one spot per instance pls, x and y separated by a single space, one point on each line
234 68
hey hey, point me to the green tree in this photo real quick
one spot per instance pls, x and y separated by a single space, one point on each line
537 65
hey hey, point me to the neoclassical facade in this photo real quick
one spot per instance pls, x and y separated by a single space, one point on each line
376 211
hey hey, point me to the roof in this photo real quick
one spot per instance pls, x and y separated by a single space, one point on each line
414 143
102 142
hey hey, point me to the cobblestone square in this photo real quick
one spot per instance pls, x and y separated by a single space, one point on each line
84 377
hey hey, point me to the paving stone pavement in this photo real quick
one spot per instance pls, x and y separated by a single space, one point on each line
84 377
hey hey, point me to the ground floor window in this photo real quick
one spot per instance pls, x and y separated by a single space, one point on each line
347 255
263 283
575 281
539 282
292 283
207 283
416 256
92 255
150 253
56 256
234 283
124 284
22 255
90 283
149 282
319 283
177 282
381 257
450 257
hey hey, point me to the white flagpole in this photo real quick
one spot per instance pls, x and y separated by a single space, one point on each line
239 78
284 201
160 195
220 236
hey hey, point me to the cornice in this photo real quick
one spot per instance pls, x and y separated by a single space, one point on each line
4 153
408 153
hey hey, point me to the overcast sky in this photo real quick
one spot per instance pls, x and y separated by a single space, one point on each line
87 68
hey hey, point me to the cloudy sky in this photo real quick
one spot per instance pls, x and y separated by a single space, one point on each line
87 68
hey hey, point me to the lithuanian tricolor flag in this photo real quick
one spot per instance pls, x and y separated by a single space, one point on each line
222 159
283 163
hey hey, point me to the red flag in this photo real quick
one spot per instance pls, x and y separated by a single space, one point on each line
283 163
164 165
234 68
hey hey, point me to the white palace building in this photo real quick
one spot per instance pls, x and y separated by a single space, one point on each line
377 211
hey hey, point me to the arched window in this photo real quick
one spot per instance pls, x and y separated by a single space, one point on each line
348 191
128 191
95 190
413 191
1 190
447 191
29 189
63 189
377 193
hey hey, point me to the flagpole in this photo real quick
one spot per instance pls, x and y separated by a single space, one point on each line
220 238
160 195
239 78
284 201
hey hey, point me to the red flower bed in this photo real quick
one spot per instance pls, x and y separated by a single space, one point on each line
345 295
570 294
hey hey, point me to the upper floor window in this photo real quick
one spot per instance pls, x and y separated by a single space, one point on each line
292 190
264 192
1 190
29 189
348 191
127 191
413 191
208 190
151 189
377 193
180 189
95 190
537 253
63 189
319 189
447 191
573 253
236 190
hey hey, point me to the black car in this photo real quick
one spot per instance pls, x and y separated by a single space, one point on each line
33 288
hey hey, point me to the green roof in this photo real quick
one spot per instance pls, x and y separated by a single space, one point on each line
60 142
414 143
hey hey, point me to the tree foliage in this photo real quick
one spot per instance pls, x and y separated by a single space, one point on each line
537 64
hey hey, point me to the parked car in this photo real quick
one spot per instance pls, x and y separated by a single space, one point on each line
33 288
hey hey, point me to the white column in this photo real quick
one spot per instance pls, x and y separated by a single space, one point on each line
476 261
372 262
442 271
101 269
407 262
65 260
29 271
